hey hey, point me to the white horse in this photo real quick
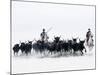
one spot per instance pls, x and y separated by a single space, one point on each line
90 43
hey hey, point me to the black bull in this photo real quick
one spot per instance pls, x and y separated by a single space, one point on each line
56 46
24 47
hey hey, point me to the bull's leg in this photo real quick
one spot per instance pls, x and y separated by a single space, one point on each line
74 52
22 51
82 52
51 52
26 53
14 53
85 50
71 51
30 51
40 51
17 53
55 51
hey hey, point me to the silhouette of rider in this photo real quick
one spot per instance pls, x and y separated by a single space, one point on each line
88 35
44 36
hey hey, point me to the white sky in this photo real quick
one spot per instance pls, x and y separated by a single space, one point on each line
28 19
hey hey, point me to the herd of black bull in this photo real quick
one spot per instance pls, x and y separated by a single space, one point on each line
55 46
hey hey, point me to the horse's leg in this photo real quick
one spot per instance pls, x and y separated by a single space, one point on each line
74 53
50 52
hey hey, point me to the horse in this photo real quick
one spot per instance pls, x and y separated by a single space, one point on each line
90 43
40 46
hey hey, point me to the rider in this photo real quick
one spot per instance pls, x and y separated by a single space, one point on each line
88 35
44 36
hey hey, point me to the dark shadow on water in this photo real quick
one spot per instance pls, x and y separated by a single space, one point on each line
61 55
56 55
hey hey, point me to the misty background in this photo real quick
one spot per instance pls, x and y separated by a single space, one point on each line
67 21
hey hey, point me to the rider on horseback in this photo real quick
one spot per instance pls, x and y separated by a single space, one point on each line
44 37
88 35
